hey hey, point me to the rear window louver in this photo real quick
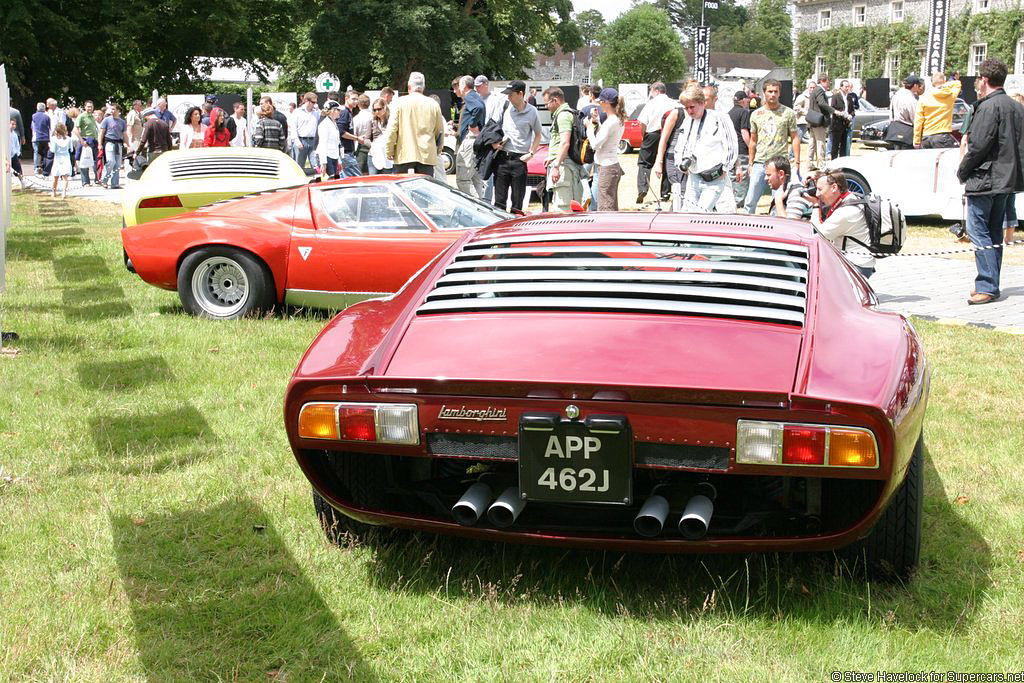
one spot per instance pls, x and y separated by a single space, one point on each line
721 277
213 166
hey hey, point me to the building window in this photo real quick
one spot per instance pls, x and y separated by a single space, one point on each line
892 64
979 52
819 67
585 80
896 10
824 19
981 5
860 15
856 65
1018 65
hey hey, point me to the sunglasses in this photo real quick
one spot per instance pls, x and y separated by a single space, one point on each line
378 108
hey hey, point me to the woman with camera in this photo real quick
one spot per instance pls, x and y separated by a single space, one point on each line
705 150
837 220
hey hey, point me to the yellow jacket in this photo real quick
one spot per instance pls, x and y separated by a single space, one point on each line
414 129
935 111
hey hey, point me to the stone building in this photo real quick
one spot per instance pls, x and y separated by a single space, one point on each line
564 67
821 16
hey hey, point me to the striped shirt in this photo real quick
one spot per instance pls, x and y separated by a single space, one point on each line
269 133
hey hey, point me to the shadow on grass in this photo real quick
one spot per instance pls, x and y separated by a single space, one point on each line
142 444
215 595
942 595
39 246
51 343
124 375
73 269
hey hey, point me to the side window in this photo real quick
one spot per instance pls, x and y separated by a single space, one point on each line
368 207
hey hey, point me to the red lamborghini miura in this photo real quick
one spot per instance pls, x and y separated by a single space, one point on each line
663 382
322 245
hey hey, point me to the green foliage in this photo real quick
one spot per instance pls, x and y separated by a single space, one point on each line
372 43
590 23
641 47
873 41
766 32
1000 30
124 50
685 14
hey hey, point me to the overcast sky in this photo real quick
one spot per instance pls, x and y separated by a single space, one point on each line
609 8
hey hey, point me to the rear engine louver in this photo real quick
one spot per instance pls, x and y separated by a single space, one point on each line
213 166
722 277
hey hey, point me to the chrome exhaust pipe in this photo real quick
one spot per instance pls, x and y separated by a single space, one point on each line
504 511
697 515
471 506
651 519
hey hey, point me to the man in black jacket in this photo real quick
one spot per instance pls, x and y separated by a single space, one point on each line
842 117
992 170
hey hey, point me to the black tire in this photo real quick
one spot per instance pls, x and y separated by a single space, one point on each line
893 548
624 146
224 283
857 182
362 479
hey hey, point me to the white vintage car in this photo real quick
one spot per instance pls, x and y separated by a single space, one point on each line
922 181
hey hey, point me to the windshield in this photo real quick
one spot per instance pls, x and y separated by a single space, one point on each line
449 208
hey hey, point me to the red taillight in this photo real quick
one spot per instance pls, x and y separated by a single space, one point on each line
803 445
357 423
170 201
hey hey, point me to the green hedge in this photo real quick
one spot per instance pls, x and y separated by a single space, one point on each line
1000 30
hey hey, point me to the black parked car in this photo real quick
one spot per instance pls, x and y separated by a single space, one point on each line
873 134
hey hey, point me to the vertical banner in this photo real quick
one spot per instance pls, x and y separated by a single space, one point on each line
702 54
935 57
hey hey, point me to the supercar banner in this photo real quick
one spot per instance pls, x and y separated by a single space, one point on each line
935 58
701 55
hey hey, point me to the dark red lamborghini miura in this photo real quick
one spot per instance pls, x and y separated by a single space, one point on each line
663 382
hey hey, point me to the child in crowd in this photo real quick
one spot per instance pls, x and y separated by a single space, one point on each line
87 164
60 145
16 153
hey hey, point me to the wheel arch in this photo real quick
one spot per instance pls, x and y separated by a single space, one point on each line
277 276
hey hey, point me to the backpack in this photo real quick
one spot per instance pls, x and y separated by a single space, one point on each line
580 150
887 227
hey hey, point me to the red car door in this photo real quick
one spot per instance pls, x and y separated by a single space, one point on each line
370 239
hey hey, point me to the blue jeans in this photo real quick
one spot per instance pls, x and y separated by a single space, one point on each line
349 165
757 188
112 163
702 195
986 215
593 188
307 151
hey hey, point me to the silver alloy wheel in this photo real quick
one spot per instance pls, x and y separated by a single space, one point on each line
220 286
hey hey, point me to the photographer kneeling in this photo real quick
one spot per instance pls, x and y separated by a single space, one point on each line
837 221
705 151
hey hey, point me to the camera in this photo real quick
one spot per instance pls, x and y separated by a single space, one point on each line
684 164
810 188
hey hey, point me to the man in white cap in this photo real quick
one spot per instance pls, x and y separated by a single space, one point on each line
521 126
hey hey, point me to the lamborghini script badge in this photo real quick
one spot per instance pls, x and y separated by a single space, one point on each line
487 414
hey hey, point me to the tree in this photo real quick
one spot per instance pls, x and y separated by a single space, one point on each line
590 23
373 43
640 47
124 50
766 32
685 14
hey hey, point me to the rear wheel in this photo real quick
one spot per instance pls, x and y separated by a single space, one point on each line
857 183
362 479
624 146
893 548
224 283
447 158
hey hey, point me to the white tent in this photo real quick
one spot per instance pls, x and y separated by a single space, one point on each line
747 74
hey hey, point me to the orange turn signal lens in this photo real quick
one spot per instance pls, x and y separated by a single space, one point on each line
319 421
851 448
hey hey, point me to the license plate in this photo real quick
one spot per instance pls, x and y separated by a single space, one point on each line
570 461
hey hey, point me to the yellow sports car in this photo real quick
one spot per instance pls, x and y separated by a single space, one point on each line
183 180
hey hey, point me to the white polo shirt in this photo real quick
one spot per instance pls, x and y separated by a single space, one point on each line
654 111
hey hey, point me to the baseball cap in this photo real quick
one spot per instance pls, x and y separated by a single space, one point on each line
150 111
912 79
513 86
608 95
740 96
331 104
481 80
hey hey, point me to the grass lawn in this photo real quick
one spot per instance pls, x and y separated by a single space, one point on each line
154 526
